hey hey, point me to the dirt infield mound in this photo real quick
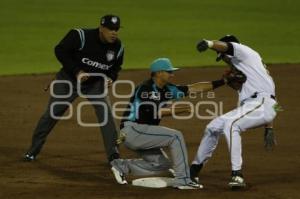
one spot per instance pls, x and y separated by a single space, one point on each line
73 165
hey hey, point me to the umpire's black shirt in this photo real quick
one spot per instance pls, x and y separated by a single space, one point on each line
82 49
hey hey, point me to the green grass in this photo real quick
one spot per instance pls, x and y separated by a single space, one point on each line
156 28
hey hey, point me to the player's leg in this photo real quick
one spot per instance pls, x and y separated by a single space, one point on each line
47 121
207 146
210 140
144 137
152 162
252 114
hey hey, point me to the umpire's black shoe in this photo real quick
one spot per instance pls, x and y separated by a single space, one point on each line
194 172
237 180
29 157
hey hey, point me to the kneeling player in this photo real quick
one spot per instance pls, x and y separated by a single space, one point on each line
144 135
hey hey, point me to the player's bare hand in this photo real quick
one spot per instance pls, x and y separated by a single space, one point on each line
82 76
269 139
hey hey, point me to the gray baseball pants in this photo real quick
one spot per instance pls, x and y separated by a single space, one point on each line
147 140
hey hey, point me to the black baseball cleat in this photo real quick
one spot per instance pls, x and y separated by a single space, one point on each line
29 157
237 180
194 172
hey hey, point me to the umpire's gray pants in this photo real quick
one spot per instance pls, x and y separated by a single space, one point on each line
148 140
47 122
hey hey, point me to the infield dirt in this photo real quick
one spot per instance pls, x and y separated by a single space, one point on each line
73 164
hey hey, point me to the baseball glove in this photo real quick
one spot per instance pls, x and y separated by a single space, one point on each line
234 78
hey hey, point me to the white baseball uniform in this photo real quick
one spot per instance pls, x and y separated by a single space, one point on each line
256 108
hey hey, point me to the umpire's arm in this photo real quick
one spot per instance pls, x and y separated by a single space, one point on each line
65 49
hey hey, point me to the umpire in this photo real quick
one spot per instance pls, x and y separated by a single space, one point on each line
82 53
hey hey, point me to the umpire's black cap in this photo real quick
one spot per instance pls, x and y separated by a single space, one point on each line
111 22
227 38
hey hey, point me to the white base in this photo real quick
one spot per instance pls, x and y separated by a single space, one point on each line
154 182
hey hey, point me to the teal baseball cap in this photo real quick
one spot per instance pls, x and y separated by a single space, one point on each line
162 64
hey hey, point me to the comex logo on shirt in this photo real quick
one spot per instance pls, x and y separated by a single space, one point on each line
95 64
